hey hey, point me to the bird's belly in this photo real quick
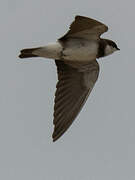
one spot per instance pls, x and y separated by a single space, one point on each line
52 50
80 51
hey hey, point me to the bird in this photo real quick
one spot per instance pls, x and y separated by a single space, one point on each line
75 55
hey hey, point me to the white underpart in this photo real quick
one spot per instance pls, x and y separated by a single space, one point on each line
80 50
52 50
109 50
74 50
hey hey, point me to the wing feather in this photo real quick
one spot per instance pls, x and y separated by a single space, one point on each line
73 88
84 27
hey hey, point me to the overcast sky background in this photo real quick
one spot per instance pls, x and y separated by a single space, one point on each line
100 145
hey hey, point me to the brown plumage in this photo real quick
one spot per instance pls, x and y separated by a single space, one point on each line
73 87
75 56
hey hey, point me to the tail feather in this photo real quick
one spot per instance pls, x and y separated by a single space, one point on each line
28 53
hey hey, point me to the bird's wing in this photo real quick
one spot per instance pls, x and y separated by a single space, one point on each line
73 87
84 27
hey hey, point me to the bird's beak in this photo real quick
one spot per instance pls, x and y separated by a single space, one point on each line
118 49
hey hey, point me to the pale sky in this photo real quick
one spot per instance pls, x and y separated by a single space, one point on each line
100 144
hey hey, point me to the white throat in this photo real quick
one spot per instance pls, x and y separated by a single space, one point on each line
109 50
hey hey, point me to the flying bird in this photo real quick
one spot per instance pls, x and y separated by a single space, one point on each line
75 56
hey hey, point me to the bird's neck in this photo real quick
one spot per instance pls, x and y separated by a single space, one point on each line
101 48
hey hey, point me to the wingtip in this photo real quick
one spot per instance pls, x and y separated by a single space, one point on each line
21 56
54 137
53 140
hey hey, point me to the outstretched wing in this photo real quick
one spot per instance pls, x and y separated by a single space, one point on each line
73 87
84 27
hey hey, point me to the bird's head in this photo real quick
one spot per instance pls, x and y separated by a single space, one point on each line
110 47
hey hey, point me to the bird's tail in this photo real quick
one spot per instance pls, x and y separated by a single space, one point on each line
52 50
28 53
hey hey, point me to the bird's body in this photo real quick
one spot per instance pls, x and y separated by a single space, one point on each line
75 57
78 50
